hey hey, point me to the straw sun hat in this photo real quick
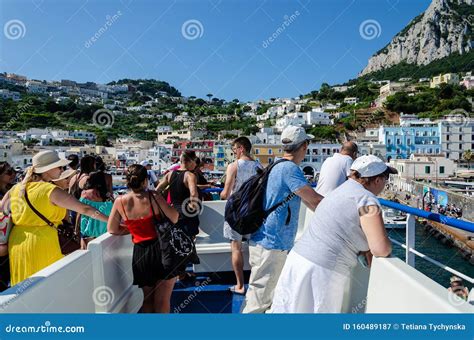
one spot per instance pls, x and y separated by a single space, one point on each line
46 160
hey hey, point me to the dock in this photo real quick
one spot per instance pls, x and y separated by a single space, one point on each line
463 240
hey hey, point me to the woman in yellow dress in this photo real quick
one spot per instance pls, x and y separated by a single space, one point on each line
33 245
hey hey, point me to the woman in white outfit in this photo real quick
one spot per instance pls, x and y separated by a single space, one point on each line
347 223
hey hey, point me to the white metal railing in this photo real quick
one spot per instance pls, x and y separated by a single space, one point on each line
409 246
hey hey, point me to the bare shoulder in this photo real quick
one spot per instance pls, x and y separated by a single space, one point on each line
232 168
190 174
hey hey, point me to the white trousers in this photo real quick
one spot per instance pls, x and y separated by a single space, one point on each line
305 287
266 266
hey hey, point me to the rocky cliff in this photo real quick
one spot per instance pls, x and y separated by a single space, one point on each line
444 28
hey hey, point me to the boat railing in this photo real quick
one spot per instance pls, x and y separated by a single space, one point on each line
409 245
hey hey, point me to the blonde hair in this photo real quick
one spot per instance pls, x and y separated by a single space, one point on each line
30 176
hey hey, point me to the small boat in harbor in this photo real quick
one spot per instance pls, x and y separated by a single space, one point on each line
394 219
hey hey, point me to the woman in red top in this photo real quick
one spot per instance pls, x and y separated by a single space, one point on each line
138 210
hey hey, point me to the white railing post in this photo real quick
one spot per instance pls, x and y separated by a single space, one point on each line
410 240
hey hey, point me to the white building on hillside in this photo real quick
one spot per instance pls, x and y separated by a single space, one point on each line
164 128
160 156
180 135
317 118
427 167
6 94
36 87
266 136
389 90
316 154
9 147
89 137
296 119
351 100
342 88
457 137
271 113
448 78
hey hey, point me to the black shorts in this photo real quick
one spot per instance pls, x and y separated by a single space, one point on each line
147 264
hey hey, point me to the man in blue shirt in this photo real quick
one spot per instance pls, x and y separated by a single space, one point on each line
269 245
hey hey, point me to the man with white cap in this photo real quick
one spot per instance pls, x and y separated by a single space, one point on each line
347 226
152 179
269 246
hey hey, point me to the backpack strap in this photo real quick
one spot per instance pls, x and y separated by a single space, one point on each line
287 198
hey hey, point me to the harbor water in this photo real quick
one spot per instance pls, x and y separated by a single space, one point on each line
430 246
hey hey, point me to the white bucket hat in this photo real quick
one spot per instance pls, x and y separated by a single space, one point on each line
46 160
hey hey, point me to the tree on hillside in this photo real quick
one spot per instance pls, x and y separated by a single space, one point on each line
209 95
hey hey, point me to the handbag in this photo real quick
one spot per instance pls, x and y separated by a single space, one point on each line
177 248
69 241
6 221
6 225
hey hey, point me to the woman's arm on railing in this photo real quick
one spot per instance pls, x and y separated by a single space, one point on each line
374 229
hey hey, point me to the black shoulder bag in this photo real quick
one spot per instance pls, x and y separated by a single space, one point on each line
177 248
69 241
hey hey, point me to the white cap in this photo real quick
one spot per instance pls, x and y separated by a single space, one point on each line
145 163
294 135
370 165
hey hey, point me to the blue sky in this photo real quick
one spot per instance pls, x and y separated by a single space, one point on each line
230 56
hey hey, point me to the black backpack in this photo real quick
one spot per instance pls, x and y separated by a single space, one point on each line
244 210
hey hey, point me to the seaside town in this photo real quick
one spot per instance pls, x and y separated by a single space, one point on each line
443 145
268 201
